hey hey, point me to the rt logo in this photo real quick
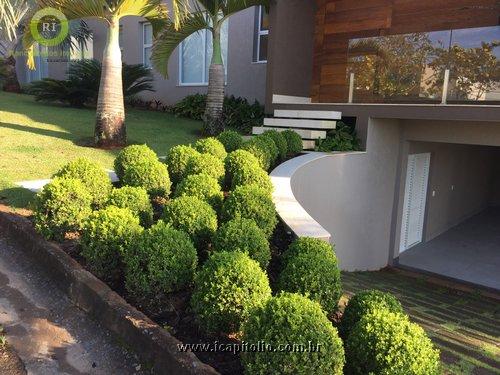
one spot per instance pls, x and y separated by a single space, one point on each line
49 27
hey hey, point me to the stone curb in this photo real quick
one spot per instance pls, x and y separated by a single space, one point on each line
148 340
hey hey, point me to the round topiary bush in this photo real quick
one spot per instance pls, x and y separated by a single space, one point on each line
206 164
305 245
236 160
245 236
280 142
130 156
211 146
163 260
107 236
304 338
251 202
363 303
193 216
270 146
259 148
247 175
383 342
227 287
293 141
231 140
201 186
62 206
136 199
93 177
151 175
314 274
177 159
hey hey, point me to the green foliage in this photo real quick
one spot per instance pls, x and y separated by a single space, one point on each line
293 141
292 320
270 146
227 287
258 147
203 187
206 164
211 146
231 140
136 199
62 206
163 260
245 236
193 216
192 106
280 142
106 238
138 165
362 304
93 177
236 160
242 116
314 273
251 202
177 160
305 245
343 138
383 342
247 175
82 85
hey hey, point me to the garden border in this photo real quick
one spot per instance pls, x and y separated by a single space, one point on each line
153 344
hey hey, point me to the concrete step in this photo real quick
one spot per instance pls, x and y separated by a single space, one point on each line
304 133
308 145
324 115
299 123
287 99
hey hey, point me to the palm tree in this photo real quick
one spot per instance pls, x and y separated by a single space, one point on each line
191 17
110 128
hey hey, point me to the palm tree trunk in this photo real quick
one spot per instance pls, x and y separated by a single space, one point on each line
215 98
110 119
8 68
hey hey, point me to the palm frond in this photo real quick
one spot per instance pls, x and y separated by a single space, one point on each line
170 38
12 13
229 7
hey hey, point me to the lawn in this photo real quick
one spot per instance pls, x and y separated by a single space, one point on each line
36 139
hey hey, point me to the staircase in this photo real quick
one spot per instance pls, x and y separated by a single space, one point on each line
309 124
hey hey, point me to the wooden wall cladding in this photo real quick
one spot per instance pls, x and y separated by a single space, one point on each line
337 21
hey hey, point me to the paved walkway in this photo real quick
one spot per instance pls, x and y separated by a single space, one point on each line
465 326
50 334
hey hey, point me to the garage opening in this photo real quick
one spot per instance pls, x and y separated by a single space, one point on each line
451 212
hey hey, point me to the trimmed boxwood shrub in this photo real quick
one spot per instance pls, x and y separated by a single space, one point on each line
62 206
132 155
291 320
293 141
383 342
245 236
251 202
227 287
201 186
193 216
363 303
305 245
136 199
177 159
211 146
258 148
314 274
231 140
236 160
106 238
270 146
206 164
280 142
163 260
93 177
247 175
152 175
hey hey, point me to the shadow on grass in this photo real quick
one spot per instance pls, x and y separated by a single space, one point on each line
16 196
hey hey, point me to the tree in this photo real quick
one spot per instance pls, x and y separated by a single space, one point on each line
110 128
189 19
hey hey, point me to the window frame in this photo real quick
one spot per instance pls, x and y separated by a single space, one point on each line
259 34
204 73
146 45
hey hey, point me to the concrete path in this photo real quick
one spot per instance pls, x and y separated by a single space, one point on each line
49 333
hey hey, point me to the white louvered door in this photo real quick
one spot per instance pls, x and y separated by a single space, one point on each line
417 180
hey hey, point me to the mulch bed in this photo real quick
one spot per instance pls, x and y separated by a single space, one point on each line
10 363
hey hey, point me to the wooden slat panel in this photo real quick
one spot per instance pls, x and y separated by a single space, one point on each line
357 20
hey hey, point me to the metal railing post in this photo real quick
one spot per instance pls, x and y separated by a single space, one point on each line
351 87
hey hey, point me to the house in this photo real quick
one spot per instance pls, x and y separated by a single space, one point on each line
420 79
244 47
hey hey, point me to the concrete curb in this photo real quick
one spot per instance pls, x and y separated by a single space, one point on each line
148 340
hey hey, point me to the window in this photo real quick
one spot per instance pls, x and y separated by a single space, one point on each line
262 35
147 44
195 56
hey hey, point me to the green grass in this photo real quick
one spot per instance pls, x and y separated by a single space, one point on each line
36 139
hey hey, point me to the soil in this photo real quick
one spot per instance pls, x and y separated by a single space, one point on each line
10 363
